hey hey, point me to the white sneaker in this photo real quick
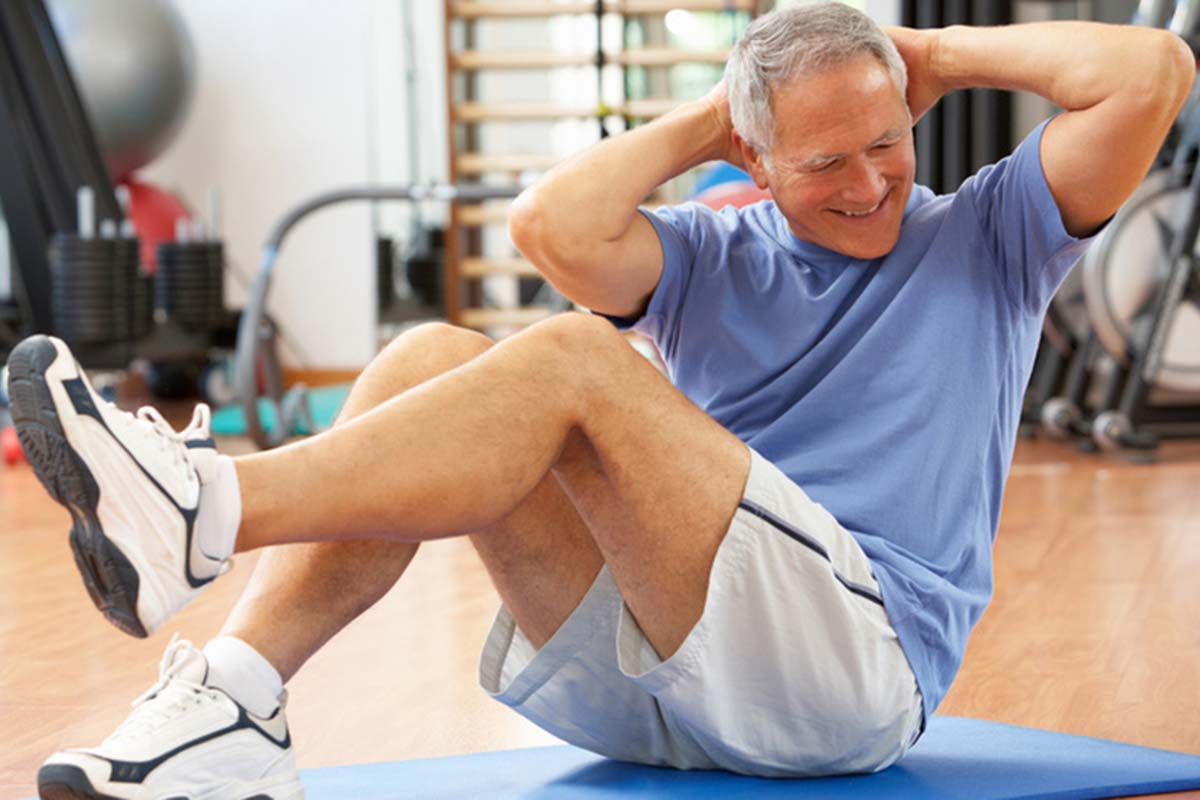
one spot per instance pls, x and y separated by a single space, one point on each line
131 483
184 741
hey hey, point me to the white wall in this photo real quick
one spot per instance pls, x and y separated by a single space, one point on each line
282 111
390 129
884 12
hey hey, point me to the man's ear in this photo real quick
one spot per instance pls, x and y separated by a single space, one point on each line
752 161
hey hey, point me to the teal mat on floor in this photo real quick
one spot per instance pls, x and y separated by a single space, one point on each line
324 401
963 759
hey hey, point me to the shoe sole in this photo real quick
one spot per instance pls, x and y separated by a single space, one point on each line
111 580
66 782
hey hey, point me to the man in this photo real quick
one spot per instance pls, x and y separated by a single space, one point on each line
771 566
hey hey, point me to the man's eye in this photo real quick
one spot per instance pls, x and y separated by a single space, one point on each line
885 145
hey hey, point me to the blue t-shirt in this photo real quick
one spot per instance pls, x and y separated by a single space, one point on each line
890 390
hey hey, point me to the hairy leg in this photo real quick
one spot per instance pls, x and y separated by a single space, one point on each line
654 478
301 595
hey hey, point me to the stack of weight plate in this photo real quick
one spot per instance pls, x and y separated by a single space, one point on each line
183 284
90 299
216 286
126 271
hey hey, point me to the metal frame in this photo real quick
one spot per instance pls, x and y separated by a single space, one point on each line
255 339
50 149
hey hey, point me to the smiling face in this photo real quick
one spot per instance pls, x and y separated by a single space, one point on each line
841 165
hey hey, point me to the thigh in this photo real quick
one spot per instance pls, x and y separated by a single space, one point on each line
657 483
794 667
300 595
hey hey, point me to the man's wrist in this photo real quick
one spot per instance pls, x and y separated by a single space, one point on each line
710 127
943 67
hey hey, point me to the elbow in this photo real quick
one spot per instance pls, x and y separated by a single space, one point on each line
1171 76
1152 94
1181 64
528 228
525 218
540 234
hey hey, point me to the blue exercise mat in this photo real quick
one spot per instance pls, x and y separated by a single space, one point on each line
957 758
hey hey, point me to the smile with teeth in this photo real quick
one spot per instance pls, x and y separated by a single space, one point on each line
866 213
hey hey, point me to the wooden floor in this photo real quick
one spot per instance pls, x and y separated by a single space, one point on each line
1095 629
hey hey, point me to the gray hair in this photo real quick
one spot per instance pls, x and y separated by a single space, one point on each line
795 43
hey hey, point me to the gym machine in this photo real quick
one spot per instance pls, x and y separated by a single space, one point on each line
49 152
75 256
1119 364
1135 354
258 378
1142 284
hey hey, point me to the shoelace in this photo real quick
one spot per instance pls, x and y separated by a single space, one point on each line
168 697
169 441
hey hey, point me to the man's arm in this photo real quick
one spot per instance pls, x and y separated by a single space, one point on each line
579 224
1121 86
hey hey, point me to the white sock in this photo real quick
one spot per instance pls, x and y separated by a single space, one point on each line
240 671
220 510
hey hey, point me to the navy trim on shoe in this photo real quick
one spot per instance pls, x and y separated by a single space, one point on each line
81 398
137 771
811 543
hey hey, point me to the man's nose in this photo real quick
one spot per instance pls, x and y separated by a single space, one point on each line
865 183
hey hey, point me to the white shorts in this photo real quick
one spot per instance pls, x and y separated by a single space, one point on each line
792 670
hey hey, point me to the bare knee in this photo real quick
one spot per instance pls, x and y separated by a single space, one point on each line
415 356
581 351
575 333
439 339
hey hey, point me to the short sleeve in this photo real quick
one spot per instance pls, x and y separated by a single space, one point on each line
1022 226
685 232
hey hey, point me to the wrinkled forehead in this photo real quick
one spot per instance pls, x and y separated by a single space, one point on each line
842 107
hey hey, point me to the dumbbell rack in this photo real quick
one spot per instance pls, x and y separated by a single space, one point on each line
466 264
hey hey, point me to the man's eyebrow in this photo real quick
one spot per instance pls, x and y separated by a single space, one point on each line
891 133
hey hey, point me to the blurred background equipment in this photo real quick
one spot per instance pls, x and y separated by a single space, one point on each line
1119 363
93 91
49 151
90 92
269 412
134 66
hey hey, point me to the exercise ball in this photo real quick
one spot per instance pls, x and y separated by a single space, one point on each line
134 66
725 185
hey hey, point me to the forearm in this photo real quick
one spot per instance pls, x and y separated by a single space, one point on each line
593 196
1075 65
